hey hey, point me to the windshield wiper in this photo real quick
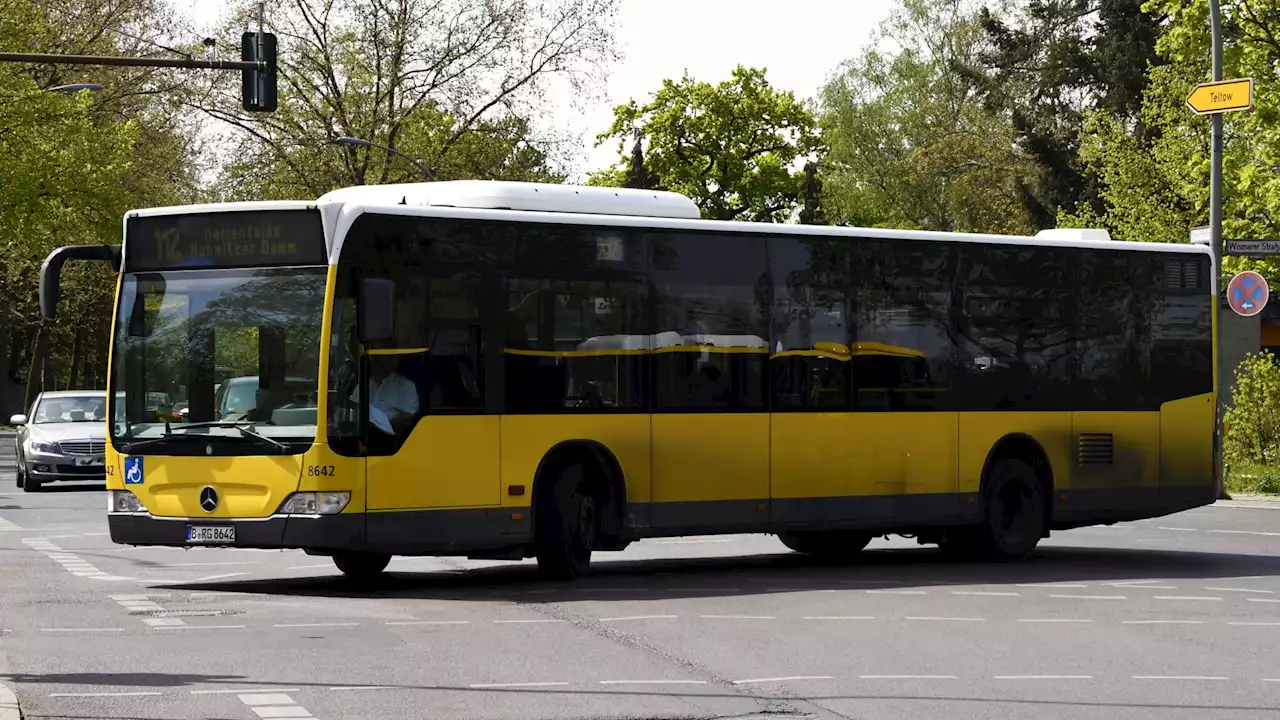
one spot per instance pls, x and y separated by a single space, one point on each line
245 432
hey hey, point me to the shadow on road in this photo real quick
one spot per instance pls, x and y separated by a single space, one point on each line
672 578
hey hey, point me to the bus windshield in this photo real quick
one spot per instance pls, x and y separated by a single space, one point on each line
215 352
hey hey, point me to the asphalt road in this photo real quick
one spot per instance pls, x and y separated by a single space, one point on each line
1172 618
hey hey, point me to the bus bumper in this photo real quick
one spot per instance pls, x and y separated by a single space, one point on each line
344 531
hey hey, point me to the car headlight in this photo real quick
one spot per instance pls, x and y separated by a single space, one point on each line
123 501
42 447
315 503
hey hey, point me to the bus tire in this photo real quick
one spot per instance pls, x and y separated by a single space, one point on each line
568 525
361 564
1013 512
828 545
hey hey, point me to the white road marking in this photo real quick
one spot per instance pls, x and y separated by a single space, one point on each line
163 622
738 617
700 541
653 682
273 705
1178 677
213 564
1245 532
1241 590
952 619
1177 529
1053 585
986 594
310 567
1162 622
526 622
315 625
1089 597
105 695
839 617
782 679
1054 620
1186 597
907 677
362 687
202 627
207 578
706 589
81 630
1044 677
243 691
1255 624
1263 600
639 617
481 686
897 592
428 622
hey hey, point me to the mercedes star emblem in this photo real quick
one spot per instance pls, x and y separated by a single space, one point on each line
209 499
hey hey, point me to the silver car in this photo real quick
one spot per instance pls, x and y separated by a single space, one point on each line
64 438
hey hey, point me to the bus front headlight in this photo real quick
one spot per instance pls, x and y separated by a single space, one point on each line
315 503
123 501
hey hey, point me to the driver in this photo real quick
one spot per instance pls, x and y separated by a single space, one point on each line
393 398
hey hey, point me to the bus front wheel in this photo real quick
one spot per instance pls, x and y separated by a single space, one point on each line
568 524
361 564
1013 512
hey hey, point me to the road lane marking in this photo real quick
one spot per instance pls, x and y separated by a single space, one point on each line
106 695
1177 529
839 617
1162 622
1245 532
907 677
428 622
201 627
273 705
1186 597
527 622
208 578
1247 623
700 541
1053 585
82 630
345 688
653 682
983 593
482 686
951 619
1263 600
1089 597
244 691
212 564
1055 620
310 567
639 617
896 592
738 617
1044 677
1241 590
1178 677
315 625
781 679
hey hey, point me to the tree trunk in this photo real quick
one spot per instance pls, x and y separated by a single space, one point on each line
35 376
77 350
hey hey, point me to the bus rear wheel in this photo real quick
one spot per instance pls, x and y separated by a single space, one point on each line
1013 513
361 564
830 545
568 525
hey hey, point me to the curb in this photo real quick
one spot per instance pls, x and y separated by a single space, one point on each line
9 709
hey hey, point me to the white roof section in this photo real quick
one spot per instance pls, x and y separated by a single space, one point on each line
531 197
1075 234
224 207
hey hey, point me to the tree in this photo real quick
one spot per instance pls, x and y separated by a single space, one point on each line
1155 186
454 83
730 147
911 144
1046 67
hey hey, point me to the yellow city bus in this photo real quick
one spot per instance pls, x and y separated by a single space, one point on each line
506 370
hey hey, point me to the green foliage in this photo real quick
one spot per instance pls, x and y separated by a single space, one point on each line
1253 422
730 147
911 143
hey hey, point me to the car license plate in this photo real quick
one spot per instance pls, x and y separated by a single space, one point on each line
88 461
211 534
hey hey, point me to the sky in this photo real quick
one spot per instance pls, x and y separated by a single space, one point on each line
800 42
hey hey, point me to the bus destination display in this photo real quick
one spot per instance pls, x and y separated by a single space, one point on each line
260 238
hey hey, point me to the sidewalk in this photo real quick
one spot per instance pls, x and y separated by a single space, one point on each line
1247 500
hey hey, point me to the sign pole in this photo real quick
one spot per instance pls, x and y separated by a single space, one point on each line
1215 160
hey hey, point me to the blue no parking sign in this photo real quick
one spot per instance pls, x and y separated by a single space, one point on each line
1247 293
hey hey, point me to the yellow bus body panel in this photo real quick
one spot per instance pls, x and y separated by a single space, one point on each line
446 462
710 456
1186 441
980 431
1135 447
526 439
248 486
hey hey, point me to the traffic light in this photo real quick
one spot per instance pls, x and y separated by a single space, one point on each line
258 87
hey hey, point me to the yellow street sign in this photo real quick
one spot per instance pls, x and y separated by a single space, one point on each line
1220 97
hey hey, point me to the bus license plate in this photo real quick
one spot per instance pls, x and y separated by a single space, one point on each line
211 534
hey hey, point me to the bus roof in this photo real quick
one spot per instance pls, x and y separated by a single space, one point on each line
534 197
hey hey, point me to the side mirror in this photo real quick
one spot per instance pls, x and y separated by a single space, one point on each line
377 309
18 420
51 271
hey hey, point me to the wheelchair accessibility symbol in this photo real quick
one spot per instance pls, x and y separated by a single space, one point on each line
1247 293
133 471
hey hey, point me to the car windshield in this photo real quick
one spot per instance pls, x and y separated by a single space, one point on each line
208 347
71 408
